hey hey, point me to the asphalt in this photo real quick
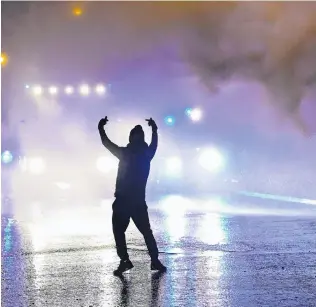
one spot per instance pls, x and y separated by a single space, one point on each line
215 258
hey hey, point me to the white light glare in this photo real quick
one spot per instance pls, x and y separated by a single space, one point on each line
212 160
62 185
100 89
53 90
105 164
69 90
173 166
36 165
84 89
37 90
196 114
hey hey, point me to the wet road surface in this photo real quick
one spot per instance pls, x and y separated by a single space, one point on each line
213 259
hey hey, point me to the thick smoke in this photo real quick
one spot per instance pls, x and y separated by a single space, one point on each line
273 44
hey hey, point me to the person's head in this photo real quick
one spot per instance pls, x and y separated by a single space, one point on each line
137 135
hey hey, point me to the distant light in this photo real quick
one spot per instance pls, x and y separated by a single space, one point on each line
36 165
169 120
173 166
4 59
37 90
106 164
212 160
69 90
27 86
84 90
6 157
77 11
196 114
53 90
188 111
100 89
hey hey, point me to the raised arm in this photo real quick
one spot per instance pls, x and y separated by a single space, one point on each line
108 144
154 138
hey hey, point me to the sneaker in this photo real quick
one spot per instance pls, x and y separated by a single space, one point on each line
124 266
156 265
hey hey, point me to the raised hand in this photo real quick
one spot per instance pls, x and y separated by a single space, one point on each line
103 122
152 124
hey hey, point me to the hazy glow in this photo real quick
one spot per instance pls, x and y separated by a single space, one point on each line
188 111
195 114
169 120
6 157
62 185
53 90
77 11
69 90
106 164
176 205
36 165
84 90
173 166
212 160
211 231
100 89
37 90
4 59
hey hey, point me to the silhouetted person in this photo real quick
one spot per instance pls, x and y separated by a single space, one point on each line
133 172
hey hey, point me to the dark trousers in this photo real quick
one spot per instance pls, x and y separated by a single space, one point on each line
123 211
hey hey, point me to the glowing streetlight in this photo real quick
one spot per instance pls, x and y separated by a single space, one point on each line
53 90
69 90
100 89
4 59
77 11
84 90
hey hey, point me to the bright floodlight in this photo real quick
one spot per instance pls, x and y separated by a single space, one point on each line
212 160
84 90
173 166
36 165
105 164
100 89
53 90
69 90
6 157
195 114
37 90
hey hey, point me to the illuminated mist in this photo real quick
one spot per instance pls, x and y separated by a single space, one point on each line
271 44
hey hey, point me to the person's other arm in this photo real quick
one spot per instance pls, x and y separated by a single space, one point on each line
154 138
107 143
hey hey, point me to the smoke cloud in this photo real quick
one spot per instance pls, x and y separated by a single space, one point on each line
273 44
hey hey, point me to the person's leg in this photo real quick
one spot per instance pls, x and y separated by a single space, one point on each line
120 222
141 221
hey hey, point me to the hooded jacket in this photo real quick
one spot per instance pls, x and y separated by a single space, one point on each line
134 163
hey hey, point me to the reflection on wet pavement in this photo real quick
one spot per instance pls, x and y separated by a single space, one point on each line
213 260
